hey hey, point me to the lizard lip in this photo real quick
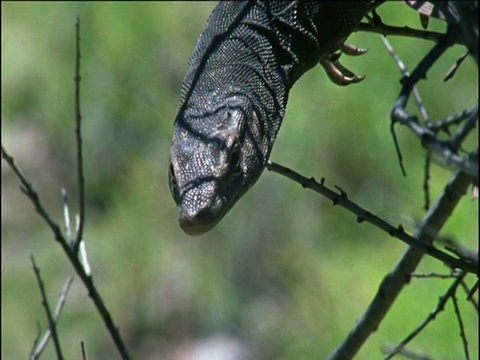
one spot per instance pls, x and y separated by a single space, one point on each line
200 221
197 225
193 228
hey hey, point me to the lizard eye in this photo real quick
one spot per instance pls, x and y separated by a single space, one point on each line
235 160
172 184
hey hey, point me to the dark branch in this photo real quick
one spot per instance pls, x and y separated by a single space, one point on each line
51 322
364 215
78 137
431 316
38 348
383 29
461 326
444 124
394 282
446 149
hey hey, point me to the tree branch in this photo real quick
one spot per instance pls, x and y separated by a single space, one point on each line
394 282
78 138
439 308
364 215
72 252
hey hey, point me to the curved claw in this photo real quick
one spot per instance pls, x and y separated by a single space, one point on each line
352 50
339 74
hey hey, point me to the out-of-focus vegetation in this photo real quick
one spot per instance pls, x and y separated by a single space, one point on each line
285 275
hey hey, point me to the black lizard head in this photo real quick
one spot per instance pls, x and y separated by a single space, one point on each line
218 152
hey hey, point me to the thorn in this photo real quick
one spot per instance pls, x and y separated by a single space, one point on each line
343 194
451 72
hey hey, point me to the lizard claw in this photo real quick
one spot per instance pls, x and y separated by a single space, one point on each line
339 74
352 50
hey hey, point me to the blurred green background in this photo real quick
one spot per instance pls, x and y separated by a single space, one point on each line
285 275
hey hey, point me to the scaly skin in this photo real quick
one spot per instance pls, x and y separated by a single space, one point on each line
235 93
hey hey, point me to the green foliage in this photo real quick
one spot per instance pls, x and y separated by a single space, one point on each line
284 271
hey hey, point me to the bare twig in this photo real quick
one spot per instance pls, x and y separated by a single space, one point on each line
383 29
409 354
38 349
445 149
51 322
470 294
72 253
461 251
87 280
405 73
439 308
364 215
423 111
444 124
435 275
426 178
78 137
394 282
460 325
462 133
35 341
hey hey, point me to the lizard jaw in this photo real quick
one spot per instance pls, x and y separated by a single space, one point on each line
196 218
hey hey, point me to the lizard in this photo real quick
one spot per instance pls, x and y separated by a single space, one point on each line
236 88
235 92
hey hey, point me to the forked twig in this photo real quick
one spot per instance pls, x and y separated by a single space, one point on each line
40 346
72 252
394 282
439 308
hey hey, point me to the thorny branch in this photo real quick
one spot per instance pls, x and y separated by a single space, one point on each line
445 149
376 26
441 210
394 282
342 200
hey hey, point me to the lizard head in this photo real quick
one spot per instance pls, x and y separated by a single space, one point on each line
217 154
